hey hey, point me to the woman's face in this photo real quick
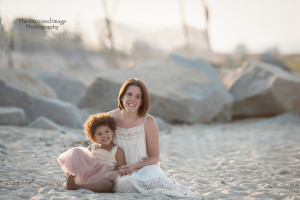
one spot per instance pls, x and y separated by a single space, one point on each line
132 98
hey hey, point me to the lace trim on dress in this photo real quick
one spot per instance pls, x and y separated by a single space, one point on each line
133 142
130 135
151 183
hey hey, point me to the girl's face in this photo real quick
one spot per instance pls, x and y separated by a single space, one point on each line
103 135
132 98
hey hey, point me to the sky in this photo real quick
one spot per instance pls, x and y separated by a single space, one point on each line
258 24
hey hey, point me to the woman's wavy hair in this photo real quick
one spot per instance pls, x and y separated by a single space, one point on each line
145 105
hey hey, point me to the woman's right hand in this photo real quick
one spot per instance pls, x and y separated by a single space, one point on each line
126 170
122 172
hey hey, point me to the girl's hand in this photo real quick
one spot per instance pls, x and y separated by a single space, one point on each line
126 169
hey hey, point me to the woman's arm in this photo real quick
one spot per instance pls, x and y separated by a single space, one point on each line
152 142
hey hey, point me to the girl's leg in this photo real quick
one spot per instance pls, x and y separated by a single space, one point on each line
103 185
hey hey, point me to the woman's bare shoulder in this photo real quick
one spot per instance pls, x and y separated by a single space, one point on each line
150 121
114 113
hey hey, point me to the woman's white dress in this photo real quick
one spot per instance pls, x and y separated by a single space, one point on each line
149 179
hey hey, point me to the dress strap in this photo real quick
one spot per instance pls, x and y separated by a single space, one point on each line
114 150
146 118
93 147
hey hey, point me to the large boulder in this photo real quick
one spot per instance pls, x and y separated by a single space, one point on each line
62 113
261 89
201 66
24 81
272 59
44 123
67 88
101 95
13 116
178 94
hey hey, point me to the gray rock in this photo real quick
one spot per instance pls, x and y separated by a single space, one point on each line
271 59
67 88
178 94
286 118
60 112
201 66
162 125
13 116
261 89
44 123
24 81
101 95
2 146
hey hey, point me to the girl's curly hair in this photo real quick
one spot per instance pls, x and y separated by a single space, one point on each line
100 119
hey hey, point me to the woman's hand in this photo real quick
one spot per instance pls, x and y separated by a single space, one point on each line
122 172
126 170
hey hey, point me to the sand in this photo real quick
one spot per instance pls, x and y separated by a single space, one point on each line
250 159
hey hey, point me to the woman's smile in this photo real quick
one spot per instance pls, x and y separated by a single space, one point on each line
132 98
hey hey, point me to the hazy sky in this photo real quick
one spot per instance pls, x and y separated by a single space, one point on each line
258 24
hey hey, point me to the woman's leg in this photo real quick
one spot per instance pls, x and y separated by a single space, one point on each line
103 185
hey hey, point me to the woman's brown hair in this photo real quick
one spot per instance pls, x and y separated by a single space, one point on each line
145 105
94 121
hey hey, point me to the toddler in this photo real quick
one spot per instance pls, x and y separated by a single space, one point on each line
94 168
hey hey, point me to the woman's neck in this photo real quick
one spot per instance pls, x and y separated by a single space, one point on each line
128 116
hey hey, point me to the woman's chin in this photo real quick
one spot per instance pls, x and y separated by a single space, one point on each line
131 110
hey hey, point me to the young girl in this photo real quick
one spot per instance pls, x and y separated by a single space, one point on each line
97 163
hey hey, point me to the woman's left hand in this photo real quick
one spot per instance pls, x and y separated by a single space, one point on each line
127 169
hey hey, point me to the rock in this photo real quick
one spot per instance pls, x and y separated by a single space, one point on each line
60 112
261 89
283 172
13 116
162 125
24 81
44 123
67 88
178 94
2 146
203 67
271 59
101 95
286 118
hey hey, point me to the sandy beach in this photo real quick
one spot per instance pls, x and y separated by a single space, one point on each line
223 79
250 159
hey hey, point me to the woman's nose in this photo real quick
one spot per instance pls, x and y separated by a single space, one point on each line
132 98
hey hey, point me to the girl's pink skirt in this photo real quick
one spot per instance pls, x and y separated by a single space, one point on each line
79 161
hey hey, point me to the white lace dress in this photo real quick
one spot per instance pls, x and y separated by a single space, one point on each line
149 179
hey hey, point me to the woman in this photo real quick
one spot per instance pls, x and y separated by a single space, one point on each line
137 134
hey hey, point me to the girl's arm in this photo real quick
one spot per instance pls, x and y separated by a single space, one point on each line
90 148
120 157
152 142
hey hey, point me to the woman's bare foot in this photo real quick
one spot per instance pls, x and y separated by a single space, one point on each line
70 183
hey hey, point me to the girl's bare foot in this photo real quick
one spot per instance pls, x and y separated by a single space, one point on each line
70 183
